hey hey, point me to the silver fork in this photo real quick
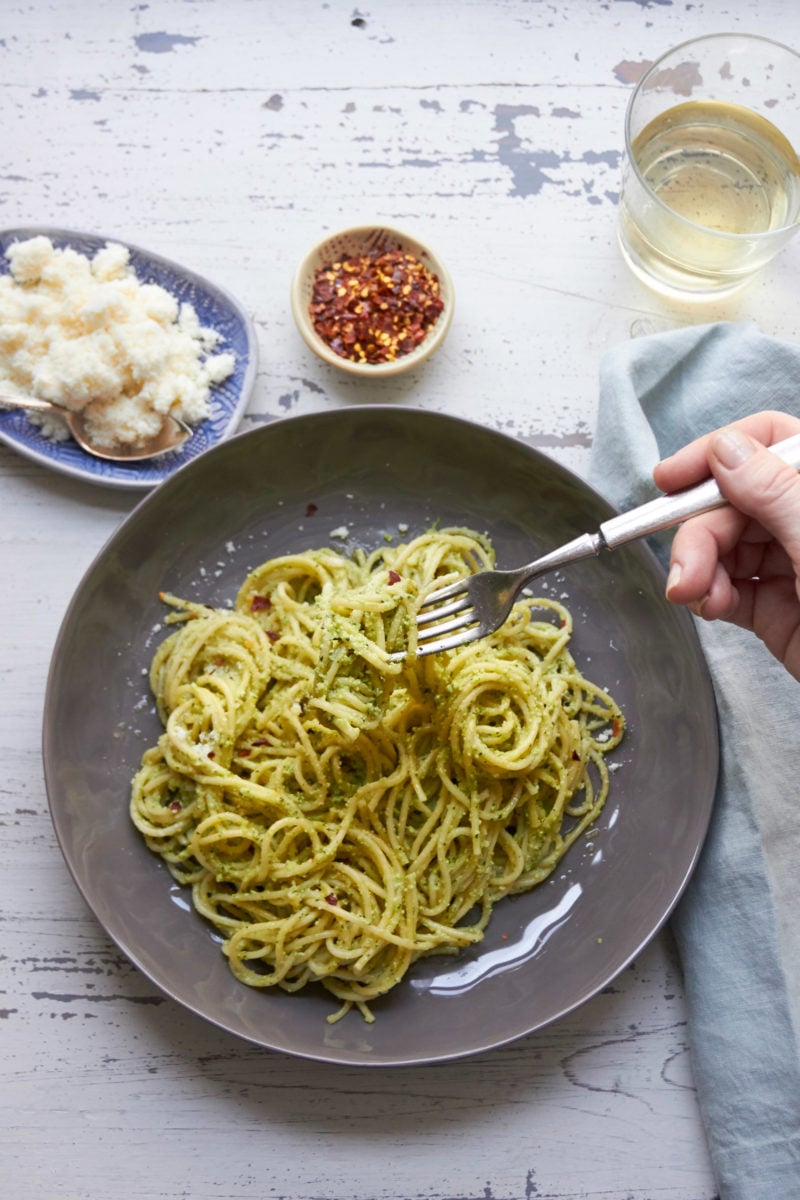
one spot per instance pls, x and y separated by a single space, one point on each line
479 604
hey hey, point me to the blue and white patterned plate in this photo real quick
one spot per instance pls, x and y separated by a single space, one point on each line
214 307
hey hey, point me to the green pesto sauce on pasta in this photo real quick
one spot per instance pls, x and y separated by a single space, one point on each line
338 814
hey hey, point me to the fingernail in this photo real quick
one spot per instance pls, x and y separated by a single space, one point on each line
697 606
732 447
674 577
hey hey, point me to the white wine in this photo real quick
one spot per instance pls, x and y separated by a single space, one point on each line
721 166
722 169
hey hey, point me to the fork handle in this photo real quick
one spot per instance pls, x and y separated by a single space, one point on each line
665 511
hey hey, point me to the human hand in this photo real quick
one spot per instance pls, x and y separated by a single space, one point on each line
741 563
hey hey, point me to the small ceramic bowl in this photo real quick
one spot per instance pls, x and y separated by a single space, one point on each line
352 243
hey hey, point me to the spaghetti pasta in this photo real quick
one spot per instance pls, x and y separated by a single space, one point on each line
339 814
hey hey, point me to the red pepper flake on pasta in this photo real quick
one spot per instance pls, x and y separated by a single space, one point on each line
260 604
375 307
394 577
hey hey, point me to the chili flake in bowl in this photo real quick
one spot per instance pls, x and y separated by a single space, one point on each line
372 300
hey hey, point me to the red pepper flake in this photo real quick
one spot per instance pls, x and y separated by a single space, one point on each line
176 806
272 635
311 509
616 727
243 753
260 604
260 742
211 754
331 899
375 307
394 577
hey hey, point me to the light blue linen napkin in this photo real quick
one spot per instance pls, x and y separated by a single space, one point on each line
738 924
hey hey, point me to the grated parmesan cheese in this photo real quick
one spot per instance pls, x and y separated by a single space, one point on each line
86 334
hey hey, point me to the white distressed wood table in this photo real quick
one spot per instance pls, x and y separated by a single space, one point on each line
228 135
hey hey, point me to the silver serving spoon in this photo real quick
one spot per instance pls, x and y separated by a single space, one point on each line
172 435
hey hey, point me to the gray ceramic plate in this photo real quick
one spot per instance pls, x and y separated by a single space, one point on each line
374 469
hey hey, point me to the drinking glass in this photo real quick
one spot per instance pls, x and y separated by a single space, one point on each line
711 176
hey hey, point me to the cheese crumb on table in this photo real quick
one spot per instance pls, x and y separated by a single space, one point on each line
87 335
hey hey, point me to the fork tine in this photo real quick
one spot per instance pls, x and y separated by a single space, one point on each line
425 617
446 636
462 638
447 593
449 643
467 617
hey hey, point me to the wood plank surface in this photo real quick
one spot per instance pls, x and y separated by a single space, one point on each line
229 136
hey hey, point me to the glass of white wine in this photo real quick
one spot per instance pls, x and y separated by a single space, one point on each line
711 178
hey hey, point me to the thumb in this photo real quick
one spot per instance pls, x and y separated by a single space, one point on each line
760 485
